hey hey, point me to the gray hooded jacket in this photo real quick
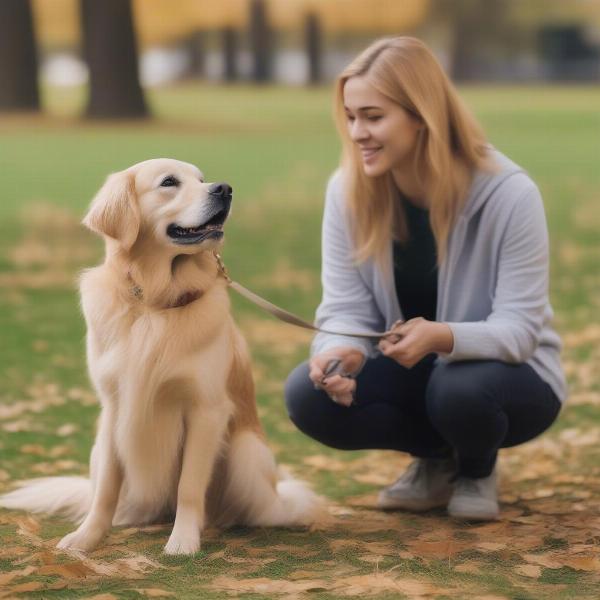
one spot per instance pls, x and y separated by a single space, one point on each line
492 285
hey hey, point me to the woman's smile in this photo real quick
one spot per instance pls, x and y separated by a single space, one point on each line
369 153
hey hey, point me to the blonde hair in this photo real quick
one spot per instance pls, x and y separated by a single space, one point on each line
450 146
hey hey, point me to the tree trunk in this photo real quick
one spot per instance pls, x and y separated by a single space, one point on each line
260 42
230 48
314 45
111 54
482 34
196 46
18 57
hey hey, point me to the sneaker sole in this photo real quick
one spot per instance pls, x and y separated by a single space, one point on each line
473 516
386 503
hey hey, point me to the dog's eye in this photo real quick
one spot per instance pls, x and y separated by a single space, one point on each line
169 181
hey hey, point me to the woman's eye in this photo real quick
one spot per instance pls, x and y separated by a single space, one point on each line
350 118
169 181
374 118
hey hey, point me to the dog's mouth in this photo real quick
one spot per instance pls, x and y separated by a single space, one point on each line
212 229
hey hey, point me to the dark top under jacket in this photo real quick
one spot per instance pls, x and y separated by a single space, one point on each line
415 266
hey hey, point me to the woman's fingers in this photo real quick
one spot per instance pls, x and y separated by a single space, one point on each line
315 374
389 345
402 351
344 400
340 389
336 384
333 372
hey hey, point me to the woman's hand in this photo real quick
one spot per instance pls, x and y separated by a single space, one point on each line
412 340
340 389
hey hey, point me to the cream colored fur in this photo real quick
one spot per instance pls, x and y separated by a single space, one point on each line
178 434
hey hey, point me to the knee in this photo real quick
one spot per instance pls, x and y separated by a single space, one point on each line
458 392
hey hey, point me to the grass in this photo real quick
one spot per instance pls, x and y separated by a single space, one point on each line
276 147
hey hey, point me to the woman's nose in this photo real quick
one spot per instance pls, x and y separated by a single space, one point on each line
358 131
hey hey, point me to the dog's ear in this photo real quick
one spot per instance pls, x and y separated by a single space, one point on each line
114 210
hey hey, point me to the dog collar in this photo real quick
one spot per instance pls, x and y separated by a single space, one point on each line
183 300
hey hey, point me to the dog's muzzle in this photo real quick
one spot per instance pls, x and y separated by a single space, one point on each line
221 195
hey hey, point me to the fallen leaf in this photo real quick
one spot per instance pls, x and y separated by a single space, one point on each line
543 560
27 525
67 429
490 546
533 571
370 558
359 585
583 563
262 585
72 570
6 578
303 574
30 586
325 463
373 478
468 567
438 549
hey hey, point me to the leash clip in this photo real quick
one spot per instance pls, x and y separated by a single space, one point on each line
222 267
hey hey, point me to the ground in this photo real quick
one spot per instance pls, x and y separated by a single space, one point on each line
276 148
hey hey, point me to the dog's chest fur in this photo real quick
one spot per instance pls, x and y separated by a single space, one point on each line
130 343
152 366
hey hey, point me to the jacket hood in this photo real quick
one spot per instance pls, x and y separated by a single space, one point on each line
486 182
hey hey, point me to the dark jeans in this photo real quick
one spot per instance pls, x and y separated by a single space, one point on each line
471 408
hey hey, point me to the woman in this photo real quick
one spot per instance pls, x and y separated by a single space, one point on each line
430 233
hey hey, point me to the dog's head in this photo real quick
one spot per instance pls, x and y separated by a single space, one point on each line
163 199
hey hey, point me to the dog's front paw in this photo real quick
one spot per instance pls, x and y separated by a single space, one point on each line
183 544
84 539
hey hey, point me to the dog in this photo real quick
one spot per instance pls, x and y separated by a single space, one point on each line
178 435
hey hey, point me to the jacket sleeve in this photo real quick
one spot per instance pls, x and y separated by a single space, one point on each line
511 332
347 303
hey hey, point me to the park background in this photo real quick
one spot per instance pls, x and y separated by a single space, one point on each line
242 88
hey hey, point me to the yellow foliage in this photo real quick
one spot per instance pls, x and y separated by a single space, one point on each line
166 21
57 22
373 16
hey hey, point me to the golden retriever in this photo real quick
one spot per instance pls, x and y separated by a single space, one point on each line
178 434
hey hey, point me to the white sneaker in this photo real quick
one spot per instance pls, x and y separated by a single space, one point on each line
424 485
475 499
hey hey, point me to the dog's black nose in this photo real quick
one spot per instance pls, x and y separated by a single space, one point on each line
222 191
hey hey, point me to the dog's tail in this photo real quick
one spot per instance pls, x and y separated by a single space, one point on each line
68 497
262 494
298 504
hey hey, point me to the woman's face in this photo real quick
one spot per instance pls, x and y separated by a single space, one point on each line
384 132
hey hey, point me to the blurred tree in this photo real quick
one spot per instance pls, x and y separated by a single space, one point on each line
18 57
111 53
196 49
260 41
314 46
479 31
230 49
567 54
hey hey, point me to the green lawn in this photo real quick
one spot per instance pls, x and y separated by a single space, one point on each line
276 147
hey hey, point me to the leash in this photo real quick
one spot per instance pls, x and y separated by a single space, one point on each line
284 315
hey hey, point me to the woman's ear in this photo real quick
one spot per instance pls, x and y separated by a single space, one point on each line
114 210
